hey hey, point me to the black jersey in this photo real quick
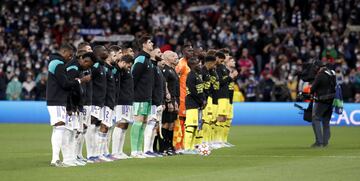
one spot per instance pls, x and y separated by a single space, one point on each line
215 85
224 80
207 82
194 91
231 91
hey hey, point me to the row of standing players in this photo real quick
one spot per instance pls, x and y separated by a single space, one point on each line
103 90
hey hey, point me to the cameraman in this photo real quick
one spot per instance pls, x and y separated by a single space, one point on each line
323 89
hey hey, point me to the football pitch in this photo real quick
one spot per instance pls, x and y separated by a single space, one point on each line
261 153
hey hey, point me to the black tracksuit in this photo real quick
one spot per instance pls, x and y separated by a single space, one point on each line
59 84
99 84
195 91
143 76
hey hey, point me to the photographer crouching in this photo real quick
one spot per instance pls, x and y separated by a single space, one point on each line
323 90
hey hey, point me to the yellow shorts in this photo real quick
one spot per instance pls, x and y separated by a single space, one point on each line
223 107
207 112
231 111
214 113
192 117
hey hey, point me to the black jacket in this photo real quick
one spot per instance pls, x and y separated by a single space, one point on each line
173 84
87 88
143 75
110 87
158 89
99 84
194 91
74 100
323 87
126 91
116 73
58 84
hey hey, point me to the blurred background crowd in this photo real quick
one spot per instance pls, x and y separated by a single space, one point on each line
269 39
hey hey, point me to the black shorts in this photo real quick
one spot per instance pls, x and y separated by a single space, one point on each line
169 117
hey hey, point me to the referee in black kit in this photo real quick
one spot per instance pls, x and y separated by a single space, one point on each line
323 89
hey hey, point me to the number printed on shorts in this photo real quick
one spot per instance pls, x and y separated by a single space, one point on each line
125 109
107 114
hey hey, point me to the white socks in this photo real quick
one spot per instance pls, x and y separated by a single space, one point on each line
108 142
68 148
56 142
90 140
122 140
105 150
118 139
79 145
151 146
100 143
148 135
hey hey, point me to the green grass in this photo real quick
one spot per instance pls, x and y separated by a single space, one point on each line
261 153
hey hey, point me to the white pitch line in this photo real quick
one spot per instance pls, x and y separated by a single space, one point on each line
291 156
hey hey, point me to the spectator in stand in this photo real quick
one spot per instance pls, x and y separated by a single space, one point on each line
40 90
250 90
28 89
357 98
294 29
348 90
265 87
246 65
3 83
13 90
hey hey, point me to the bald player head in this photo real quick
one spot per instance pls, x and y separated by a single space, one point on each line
171 58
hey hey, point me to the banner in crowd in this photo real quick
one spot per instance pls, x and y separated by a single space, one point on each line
244 113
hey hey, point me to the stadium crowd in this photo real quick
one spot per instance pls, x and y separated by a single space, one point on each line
269 39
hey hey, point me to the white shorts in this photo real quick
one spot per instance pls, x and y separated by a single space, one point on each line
124 113
57 114
152 115
98 112
85 115
108 116
73 122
